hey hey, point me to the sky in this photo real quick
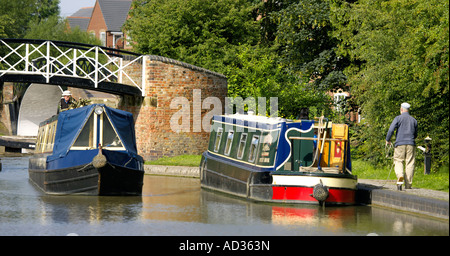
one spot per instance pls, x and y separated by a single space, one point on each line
68 7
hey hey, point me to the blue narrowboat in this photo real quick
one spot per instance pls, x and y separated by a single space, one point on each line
89 150
279 160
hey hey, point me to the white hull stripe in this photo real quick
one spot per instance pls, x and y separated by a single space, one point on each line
311 181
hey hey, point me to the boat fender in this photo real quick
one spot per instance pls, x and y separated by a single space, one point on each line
99 160
320 192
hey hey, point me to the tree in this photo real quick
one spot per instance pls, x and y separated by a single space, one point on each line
256 72
15 16
228 37
202 33
399 52
59 31
306 45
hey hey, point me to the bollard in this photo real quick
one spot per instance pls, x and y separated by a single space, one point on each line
427 163
427 156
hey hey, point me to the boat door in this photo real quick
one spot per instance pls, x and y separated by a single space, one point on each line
98 130
302 149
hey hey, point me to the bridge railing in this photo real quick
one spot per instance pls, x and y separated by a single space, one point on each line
64 59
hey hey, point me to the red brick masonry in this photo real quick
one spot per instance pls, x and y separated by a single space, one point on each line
166 81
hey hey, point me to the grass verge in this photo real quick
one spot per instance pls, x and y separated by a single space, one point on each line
436 180
184 160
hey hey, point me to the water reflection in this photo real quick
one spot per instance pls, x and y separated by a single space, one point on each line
89 209
171 198
330 218
178 206
181 199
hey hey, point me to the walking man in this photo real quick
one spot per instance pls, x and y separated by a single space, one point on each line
405 145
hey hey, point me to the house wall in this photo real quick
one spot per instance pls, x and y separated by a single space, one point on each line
97 23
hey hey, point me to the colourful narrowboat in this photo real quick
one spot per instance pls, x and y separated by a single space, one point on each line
90 151
279 160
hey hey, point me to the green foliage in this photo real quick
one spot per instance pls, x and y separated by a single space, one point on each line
183 160
38 19
59 31
256 73
203 33
306 45
226 36
399 52
15 16
5 23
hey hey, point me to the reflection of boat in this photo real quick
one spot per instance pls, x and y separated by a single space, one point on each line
88 150
73 208
330 217
276 160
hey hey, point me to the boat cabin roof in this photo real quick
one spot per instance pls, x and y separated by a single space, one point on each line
71 123
254 121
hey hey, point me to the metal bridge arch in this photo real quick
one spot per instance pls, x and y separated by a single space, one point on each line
72 64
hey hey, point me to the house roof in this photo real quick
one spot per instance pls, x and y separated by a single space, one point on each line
115 13
84 12
81 18
78 22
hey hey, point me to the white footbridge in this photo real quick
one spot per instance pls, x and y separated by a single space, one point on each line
72 64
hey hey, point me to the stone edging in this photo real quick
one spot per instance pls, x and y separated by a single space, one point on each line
184 171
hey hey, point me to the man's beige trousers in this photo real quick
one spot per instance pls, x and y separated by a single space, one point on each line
405 153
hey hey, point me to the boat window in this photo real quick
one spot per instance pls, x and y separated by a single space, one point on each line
109 136
54 133
229 142
45 139
253 147
48 143
267 148
39 139
42 140
51 135
218 139
86 137
242 143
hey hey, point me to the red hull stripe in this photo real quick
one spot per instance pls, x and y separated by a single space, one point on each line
304 194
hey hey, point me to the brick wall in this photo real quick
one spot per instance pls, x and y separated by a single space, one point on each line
167 79
97 23
5 115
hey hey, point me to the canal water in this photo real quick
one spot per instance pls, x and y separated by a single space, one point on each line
174 206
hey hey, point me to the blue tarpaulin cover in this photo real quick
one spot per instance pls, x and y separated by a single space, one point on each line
71 122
